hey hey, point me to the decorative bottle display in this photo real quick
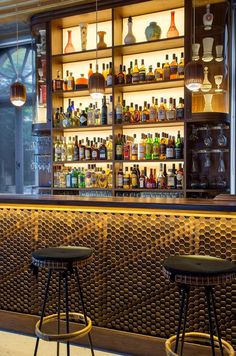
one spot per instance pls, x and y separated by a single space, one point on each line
101 43
83 35
69 46
153 31
130 38
207 18
172 32
206 85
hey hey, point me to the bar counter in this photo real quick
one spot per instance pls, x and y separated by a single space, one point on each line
132 305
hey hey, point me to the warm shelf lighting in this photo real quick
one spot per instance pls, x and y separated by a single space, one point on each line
17 90
96 83
18 94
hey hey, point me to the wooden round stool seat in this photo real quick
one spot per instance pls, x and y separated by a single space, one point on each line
199 270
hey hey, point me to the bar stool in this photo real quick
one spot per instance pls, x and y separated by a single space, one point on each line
63 261
200 271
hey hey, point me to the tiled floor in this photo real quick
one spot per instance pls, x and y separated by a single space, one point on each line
20 345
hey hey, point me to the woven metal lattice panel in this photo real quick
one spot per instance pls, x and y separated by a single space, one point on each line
124 286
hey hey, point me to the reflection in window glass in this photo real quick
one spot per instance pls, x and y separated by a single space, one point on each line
8 115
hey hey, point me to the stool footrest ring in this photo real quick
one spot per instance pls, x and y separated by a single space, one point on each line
194 336
66 336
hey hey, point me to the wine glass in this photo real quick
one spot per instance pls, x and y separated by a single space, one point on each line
40 73
207 163
193 137
208 139
221 138
221 167
218 81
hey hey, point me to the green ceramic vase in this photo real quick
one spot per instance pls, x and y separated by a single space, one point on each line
153 32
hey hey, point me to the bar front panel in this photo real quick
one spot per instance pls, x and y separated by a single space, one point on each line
124 286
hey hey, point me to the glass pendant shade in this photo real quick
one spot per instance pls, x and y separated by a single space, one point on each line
18 94
96 85
193 75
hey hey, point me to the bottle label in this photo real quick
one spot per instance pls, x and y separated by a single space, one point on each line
120 181
144 117
173 70
126 152
170 152
163 148
171 182
102 153
178 152
166 74
76 154
57 154
134 150
156 151
134 181
120 79
161 114
135 77
82 119
109 80
142 150
181 70
126 181
81 153
152 114
119 115
119 150
170 114
87 154
141 182
142 77
162 182
94 154
158 75
148 151
68 181
179 113
74 182
179 179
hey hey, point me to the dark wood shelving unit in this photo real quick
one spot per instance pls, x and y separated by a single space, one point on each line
60 163
146 86
83 128
150 161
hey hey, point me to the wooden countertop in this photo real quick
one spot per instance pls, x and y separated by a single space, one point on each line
122 202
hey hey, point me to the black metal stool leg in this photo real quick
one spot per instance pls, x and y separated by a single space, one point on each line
84 310
58 313
187 292
43 310
67 312
207 293
216 321
181 311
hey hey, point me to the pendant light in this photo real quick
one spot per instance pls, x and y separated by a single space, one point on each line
18 90
96 82
193 73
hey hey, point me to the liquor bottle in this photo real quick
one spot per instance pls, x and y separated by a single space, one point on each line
135 74
171 178
57 83
142 180
110 112
161 179
180 177
69 150
90 72
178 147
131 67
170 149
120 76
145 113
109 76
134 149
87 151
128 79
156 147
153 111
119 148
134 178
83 118
166 69
161 114
56 118
181 66
57 150
131 110
87 180
170 112
137 116
173 68
81 82
81 150
142 72
97 115
68 180
180 109
71 82
109 176
104 72
103 151
158 72
150 77
148 153
163 146
63 149
109 146
104 112
90 116
119 183
127 115
152 180
118 111
126 179
74 178
207 19
94 150
65 84
75 149
126 148
142 147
